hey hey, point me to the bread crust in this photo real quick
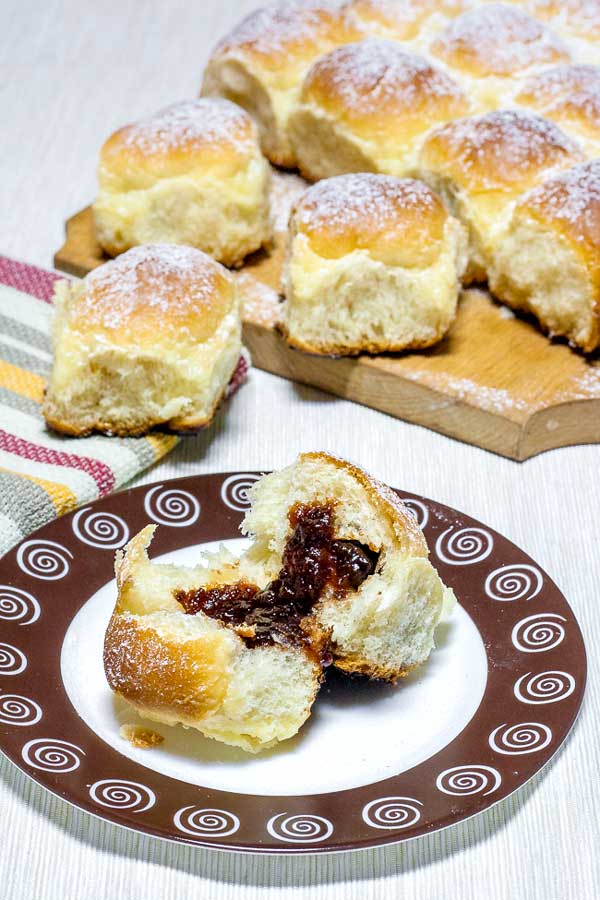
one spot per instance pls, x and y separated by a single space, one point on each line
385 499
137 337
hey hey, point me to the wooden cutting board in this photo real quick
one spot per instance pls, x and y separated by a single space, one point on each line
495 381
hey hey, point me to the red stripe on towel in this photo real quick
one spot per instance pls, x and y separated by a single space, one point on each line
28 279
100 472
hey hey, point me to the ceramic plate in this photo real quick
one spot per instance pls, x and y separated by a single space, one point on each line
375 764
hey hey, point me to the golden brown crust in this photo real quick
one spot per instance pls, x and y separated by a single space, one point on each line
506 150
568 94
569 205
398 20
386 500
357 665
400 221
281 39
187 425
185 678
377 87
207 133
366 347
150 290
497 39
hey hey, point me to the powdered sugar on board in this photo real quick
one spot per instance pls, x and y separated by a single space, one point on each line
261 304
286 190
200 122
497 39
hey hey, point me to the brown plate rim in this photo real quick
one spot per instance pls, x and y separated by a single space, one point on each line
466 553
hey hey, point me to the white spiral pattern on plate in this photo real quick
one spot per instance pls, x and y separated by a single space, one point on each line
117 794
525 737
100 529
12 660
392 812
299 829
18 710
465 546
171 506
514 582
51 755
460 781
544 687
17 605
418 510
234 491
205 822
538 633
46 560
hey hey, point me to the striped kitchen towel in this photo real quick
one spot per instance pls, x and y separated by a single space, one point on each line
42 474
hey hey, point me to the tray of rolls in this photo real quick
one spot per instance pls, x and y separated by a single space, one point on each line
407 198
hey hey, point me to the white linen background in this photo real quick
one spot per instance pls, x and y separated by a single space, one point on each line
70 73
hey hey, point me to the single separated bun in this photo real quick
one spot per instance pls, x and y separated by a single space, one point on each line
151 338
337 570
261 63
570 96
549 261
191 174
490 45
374 265
366 107
482 164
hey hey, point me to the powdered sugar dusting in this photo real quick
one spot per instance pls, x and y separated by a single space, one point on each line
346 202
565 89
495 400
166 282
404 17
203 121
583 16
371 75
272 30
497 148
574 199
497 39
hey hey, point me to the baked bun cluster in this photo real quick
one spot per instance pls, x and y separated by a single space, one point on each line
374 265
336 572
262 62
190 174
151 338
481 165
365 107
382 91
548 262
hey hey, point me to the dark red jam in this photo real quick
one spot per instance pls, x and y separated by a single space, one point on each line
312 560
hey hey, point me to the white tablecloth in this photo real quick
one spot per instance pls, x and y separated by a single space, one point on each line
71 72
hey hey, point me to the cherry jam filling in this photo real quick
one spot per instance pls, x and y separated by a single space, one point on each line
312 561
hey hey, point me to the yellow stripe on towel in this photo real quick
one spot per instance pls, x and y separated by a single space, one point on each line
63 499
21 381
161 443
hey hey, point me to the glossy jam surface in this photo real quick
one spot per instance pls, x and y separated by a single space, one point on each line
312 560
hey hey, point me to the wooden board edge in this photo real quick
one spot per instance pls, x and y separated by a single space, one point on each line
384 392
568 424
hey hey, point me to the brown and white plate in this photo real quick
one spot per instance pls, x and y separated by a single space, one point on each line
375 764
